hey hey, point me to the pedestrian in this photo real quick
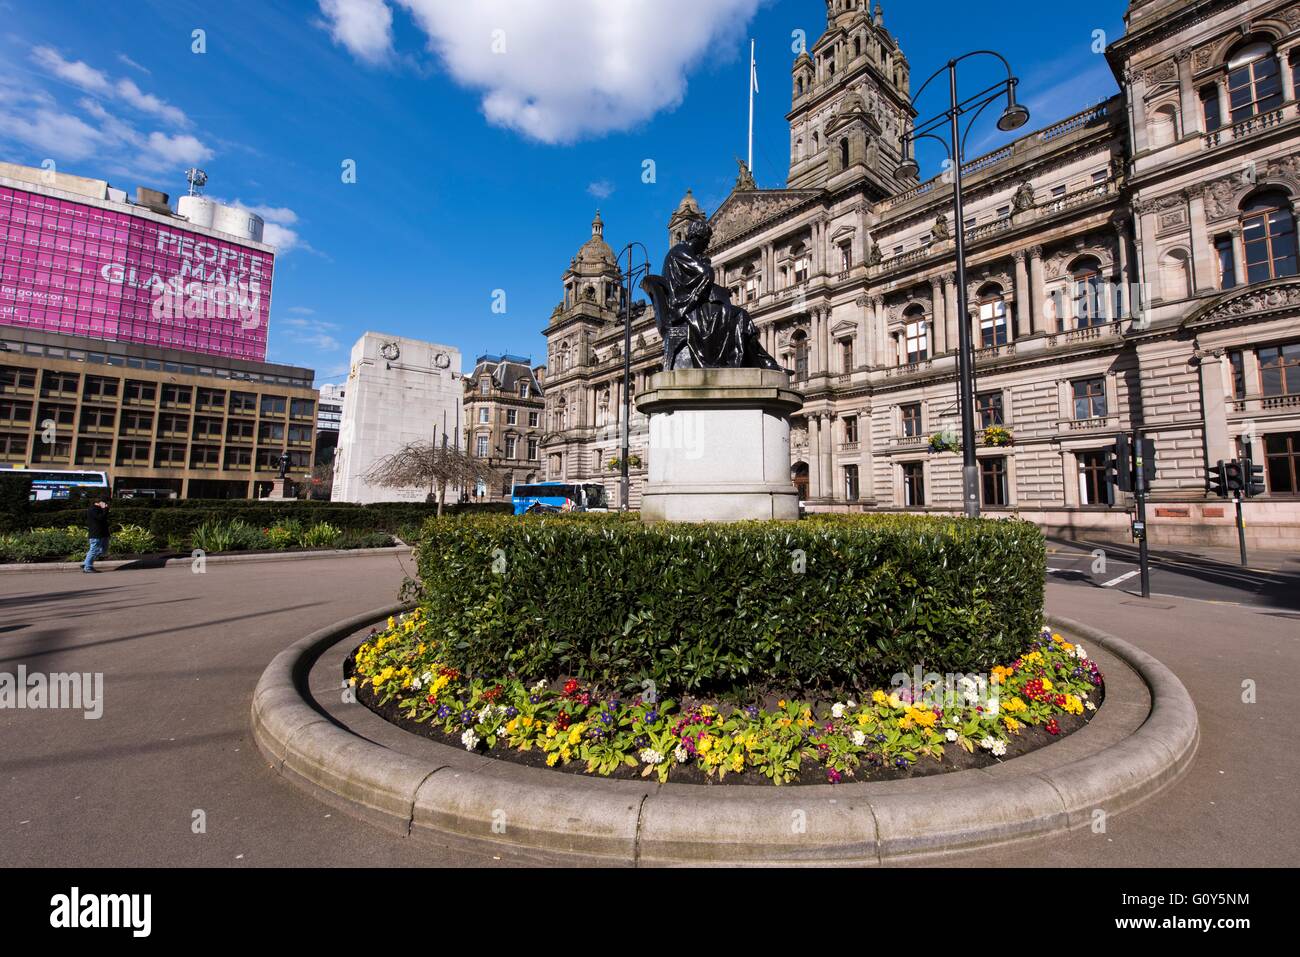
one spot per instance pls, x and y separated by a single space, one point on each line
97 526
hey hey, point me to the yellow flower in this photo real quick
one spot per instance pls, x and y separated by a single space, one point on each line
1047 685
575 733
511 725
526 720
781 704
1056 637
704 744
565 753
1015 705
1073 704
737 761
551 730
1012 724
879 697
925 719
552 758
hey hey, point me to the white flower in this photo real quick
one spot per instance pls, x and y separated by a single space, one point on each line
415 683
991 707
426 677
999 748
484 713
539 687
681 754
1079 652
469 739
1090 706
651 756
837 710
987 742
851 703
859 739
951 735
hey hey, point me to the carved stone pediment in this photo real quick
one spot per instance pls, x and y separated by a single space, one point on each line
1282 294
745 209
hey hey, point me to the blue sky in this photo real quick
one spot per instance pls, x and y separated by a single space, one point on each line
484 134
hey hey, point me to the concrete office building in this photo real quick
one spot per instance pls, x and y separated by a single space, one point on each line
398 391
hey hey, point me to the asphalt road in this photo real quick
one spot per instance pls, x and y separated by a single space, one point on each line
181 654
1272 580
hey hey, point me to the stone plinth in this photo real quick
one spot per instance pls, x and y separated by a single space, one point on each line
719 446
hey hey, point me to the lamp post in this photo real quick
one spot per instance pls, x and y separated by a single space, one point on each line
1013 117
641 269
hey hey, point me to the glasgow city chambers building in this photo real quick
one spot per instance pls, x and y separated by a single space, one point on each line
1132 266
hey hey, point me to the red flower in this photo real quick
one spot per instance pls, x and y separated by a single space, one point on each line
570 687
1053 727
493 693
562 720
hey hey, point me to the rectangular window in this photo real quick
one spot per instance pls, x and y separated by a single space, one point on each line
850 428
523 390
17 380
481 446
140 392
512 417
302 408
268 432
273 405
243 403
511 445
533 419
59 384
99 388
988 409
993 322
1237 359
993 481
846 355
532 448
1210 108
1092 478
911 419
239 458
1279 369
1089 398
913 484
1227 267
1282 462
484 415
239 430
484 385
850 483
176 395
917 344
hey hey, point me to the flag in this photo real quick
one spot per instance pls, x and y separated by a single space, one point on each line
753 68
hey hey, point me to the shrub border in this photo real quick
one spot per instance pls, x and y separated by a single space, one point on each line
1142 739
219 558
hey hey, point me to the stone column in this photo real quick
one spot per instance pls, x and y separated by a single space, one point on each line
1023 311
828 454
939 310
1218 443
1203 271
826 340
1037 292
1238 257
952 314
1288 81
1138 97
1189 104
863 351
880 335
814 453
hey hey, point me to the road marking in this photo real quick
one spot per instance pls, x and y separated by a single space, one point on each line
1122 578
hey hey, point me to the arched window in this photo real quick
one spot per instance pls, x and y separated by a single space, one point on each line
816 142
916 335
993 316
1254 81
798 148
1175 275
1268 235
1089 301
800 356
844 153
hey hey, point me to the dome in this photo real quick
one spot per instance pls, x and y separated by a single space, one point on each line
688 206
595 251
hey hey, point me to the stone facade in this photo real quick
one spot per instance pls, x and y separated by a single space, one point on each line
1132 266
398 391
503 422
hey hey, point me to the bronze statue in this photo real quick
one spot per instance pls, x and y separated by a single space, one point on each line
701 327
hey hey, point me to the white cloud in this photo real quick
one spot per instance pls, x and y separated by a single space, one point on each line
302 310
365 27
163 151
148 103
77 72
123 58
601 189
62 136
559 70
81 74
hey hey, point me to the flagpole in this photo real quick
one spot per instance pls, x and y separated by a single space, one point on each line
752 80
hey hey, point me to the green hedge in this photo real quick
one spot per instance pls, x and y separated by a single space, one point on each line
169 518
827 602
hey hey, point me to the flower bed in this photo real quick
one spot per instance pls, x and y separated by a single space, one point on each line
1049 690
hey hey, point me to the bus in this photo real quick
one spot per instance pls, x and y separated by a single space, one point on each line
559 497
60 484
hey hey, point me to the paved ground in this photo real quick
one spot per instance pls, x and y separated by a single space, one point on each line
181 654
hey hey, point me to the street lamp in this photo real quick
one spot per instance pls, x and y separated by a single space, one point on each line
1013 117
640 269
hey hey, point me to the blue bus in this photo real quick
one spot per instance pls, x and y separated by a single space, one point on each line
59 484
559 497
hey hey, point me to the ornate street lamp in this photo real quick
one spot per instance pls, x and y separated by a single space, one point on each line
632 272
1013 117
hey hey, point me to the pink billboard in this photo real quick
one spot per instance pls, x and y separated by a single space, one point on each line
81 270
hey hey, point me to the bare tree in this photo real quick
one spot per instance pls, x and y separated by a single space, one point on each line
420 464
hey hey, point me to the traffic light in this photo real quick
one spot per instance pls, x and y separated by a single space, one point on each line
1216 479
1123 463
1234 476
1147 455
1254 475
1111 467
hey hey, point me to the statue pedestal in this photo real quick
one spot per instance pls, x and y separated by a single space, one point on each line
282 491
719 446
